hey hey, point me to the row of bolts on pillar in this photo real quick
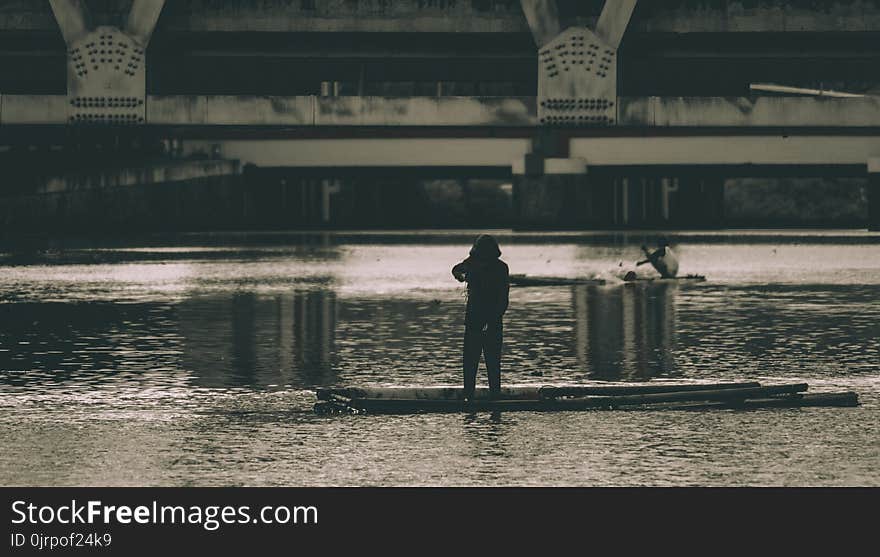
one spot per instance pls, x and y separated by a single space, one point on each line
577 104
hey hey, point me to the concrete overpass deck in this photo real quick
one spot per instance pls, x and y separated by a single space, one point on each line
347 132
469 112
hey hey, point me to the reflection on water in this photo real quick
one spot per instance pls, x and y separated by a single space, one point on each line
155 366
243 339
626 333
310 338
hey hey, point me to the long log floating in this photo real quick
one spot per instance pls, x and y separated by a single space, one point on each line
844 400
427 393
581 390
709 395
746 395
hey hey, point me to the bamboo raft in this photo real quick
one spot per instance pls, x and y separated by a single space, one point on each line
644 396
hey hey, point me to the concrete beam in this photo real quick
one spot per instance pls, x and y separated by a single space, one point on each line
543 18
632 151
500 112
142 19
425 111
614 20
748 111
727 150
220 110
341 111
73 18
33 109
553 166
365 153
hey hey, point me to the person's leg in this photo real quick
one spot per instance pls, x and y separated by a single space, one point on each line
492 341
472 349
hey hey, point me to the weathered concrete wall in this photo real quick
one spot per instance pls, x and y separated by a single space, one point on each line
347 15
424 111
32 109
295 15
471 16
232 110
341 111
708 16
464 111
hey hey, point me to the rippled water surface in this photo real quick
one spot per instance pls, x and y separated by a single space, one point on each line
196 365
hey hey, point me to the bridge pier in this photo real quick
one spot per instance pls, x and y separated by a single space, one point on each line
874 194
577 87
577 66
106 65
874 202
551 192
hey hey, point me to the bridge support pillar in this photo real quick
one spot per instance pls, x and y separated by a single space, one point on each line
106 65
874 194
577 67
551 192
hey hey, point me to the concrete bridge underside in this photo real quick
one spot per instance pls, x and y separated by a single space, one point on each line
548 130
312 131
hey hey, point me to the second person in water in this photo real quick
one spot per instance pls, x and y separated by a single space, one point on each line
662 259
488 284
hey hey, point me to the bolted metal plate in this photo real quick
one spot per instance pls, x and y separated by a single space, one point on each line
106 79
577 81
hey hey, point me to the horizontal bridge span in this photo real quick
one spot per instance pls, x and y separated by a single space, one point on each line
621 151
478 112
354 153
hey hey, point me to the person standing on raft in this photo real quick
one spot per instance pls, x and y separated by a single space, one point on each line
488 285
662 259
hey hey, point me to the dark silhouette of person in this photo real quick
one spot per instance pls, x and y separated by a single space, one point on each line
662 259
488 285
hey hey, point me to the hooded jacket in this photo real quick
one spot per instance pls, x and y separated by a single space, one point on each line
488 281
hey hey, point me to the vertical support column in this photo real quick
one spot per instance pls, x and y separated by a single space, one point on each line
328 188
543 18
73 19
142 19
614 20
551 192
874 194
577 67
